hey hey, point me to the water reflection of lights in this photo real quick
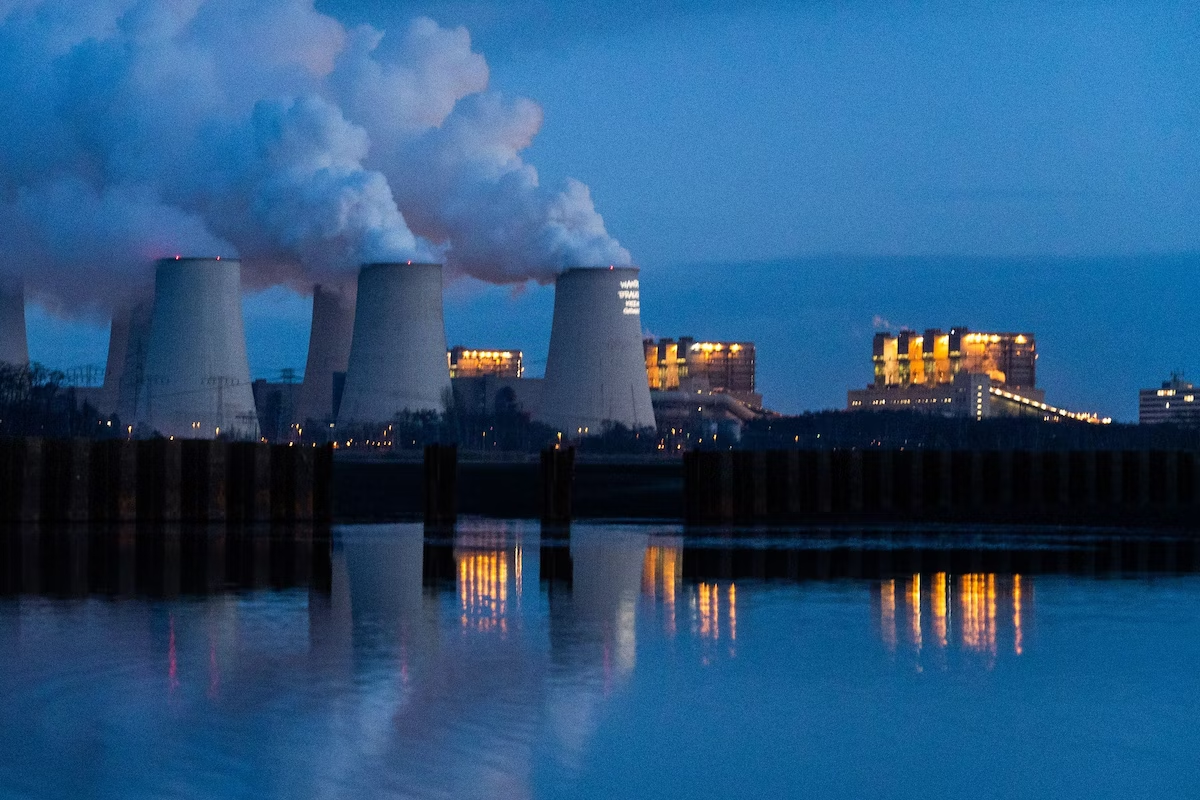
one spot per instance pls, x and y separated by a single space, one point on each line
661 571
711 604
963 608
483 589
887 613
941 608
1018 644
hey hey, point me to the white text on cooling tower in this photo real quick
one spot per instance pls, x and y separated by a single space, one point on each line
632 296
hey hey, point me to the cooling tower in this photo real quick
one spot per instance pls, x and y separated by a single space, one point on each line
596 367
398 353
127 336
14 347
328 350
197 377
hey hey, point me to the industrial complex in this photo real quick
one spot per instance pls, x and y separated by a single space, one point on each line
177 367
959 373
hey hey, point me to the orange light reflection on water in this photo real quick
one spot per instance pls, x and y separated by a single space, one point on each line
977 597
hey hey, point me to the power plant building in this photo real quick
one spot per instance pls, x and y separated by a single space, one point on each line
719 367
197 376
397 358
466 362
936 357
595 368
960 373
1176 401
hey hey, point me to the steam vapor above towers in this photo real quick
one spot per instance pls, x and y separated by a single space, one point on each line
270 131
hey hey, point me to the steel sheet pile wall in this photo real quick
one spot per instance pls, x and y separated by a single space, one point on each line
161 561
1059 487
328 351
596 366
158 480
197 374
398 353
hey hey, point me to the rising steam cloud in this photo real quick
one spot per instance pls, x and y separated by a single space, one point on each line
266 130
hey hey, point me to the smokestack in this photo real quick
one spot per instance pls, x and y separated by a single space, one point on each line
596 367
398 352
14 346
328 350
197 377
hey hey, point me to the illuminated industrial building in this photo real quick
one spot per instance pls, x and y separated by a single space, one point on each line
466 362
962 373
718 367
935 357
1176 401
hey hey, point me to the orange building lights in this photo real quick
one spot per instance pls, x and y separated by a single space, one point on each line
935 357
465 362
685 363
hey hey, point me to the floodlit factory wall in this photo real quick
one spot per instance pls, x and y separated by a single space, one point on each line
14 346
691 365
328 350
197 377
467 362
595 369
398 353
935 357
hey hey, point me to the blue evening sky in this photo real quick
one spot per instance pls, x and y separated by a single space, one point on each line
796 173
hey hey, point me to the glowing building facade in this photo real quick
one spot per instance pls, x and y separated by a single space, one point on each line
936 357
961 373
466 362
684 363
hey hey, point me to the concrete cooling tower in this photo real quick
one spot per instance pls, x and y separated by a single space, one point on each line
398 353
14 346
328 351
596 367
197 378
128 336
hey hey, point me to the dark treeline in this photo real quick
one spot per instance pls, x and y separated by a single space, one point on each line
896 429
502 432
34 401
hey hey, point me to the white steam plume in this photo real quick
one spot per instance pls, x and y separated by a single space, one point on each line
143 128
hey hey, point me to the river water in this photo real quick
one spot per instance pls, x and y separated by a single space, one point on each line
499 661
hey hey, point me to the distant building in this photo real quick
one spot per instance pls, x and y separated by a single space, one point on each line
1176 401
961 373
485 395
717 367
465 362
935 357
275 405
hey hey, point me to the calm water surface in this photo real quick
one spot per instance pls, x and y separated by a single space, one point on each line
613 661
